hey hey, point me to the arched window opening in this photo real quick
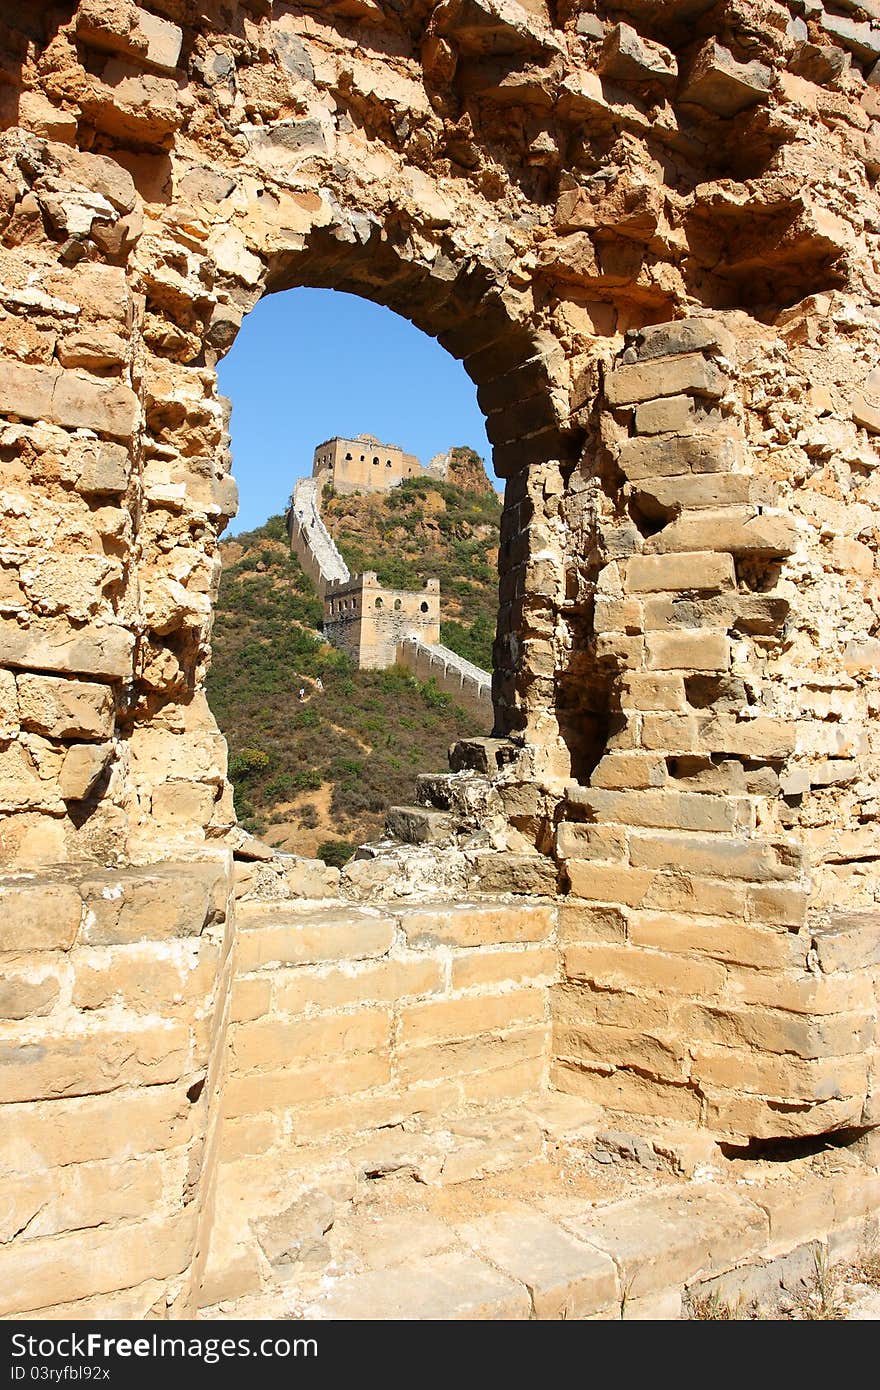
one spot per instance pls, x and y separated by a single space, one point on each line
305 771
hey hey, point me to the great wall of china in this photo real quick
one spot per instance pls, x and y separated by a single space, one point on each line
646 924
376 626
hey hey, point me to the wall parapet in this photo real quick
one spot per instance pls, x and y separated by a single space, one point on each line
310 540
470 685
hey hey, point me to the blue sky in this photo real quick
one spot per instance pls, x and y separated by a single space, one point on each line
308 364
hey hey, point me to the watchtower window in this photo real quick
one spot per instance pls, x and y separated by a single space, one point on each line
397 605
375 463
379 603
348 456
387 463
423 607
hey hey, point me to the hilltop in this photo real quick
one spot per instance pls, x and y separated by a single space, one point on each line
317 776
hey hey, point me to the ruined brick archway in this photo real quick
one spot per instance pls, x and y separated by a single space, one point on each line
653 244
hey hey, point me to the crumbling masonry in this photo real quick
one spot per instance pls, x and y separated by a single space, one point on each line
651 232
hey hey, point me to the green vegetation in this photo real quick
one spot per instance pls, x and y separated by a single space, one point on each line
328 766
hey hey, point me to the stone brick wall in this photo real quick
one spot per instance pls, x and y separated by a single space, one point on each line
310 540
654 244
466 683
114 992
345 1020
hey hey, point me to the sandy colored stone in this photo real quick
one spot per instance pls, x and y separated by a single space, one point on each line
469 1016
65 709
39 916
472 925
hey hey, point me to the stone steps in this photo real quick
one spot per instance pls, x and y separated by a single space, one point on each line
520 1216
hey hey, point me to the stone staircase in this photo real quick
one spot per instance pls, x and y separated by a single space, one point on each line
546 1212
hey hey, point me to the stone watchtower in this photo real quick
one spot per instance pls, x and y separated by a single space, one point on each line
363 464
369 622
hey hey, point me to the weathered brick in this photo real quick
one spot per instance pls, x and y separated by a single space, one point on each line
628 1091
850 942
69 1064
577 1002
668 809
68 398
470 1016
592 922
739 530
752 1117
703 570
600 1046
57 1269
295 991
667 377
501 967
717 937
21 997
307 938
39 916
783 1077
80 1196
52 644
799 991
50 1134
777 902
146 979
631 967
271 1043
675 413
65 708
694 651
504 1082
156 904
608 883
711 855
777 1030
300 1083
690 453
579 841
627 770
251 999
697 490
477 926
685 335
642 690
458 1057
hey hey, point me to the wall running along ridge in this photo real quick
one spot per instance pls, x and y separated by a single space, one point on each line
376 626
651 234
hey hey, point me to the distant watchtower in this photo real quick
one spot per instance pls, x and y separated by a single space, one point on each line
363 464
369 622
